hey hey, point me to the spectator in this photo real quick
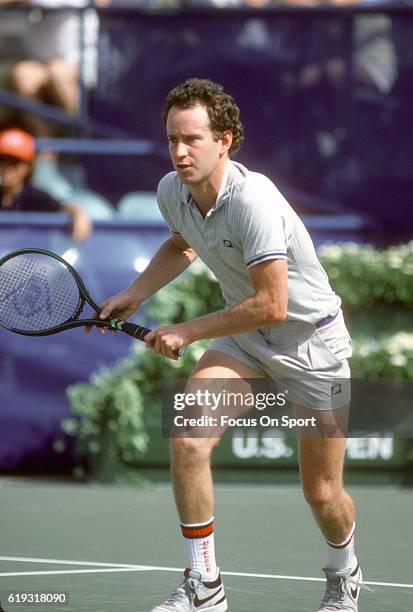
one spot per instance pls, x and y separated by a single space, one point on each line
17 154
49 73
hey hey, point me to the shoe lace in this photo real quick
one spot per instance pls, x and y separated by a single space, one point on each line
179 596
183 593
335 594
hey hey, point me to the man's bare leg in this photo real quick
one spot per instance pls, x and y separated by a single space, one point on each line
321 469
30 78
63 84
190 457
193 488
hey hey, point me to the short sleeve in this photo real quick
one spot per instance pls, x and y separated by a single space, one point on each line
166 198
261 223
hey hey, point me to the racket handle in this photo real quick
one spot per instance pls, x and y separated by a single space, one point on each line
136 331
139 333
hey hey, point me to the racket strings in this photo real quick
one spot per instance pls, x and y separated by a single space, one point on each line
37 292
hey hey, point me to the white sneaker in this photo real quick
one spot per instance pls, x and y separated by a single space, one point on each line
342 590
194 595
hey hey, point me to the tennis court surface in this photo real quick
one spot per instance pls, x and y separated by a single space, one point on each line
118 548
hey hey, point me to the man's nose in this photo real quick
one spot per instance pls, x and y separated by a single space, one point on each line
181 150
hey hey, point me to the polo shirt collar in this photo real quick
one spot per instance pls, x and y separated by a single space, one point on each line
224 193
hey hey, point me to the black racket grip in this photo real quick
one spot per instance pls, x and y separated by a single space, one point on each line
138 332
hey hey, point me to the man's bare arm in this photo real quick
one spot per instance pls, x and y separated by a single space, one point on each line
266 306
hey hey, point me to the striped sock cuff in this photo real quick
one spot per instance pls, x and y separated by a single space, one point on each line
199 530
346 541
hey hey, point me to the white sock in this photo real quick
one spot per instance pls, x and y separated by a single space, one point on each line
341 556
200 548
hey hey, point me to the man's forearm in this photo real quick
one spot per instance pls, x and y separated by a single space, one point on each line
250 314
168 262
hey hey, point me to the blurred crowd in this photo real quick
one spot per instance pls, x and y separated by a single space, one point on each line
48 69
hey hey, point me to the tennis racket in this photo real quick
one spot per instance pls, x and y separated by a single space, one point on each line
42 294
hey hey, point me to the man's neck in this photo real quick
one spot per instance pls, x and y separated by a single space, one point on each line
205 195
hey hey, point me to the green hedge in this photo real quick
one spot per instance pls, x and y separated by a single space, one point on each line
364 276
114 400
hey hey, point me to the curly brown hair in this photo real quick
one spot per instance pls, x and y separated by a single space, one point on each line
222 110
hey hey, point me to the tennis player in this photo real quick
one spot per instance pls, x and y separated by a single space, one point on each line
282 321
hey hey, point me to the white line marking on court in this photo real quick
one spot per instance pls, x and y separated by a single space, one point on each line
78 571
97 567
69 562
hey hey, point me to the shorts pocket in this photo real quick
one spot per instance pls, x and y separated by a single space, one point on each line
327 348
317 355
337 340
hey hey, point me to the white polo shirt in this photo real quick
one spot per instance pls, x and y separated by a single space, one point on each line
251 222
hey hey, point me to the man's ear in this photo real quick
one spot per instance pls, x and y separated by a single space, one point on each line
226 139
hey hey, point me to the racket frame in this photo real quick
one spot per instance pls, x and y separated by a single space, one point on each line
114 323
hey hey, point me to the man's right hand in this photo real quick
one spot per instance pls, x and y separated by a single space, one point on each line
122 305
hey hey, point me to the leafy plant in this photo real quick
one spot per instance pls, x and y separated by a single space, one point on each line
389 357
363 275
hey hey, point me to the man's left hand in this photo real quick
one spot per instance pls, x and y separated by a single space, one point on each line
167 339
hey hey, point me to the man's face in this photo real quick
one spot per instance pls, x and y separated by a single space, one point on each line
13 173
194 152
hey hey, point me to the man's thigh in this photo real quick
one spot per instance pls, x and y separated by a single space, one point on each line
216 364
215 393
322 424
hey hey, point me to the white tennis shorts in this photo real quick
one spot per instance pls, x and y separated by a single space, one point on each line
309 362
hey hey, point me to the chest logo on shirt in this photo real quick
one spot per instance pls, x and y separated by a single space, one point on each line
227 243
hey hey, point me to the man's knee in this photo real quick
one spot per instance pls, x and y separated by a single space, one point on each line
322 494
62 70
28 77
192 450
